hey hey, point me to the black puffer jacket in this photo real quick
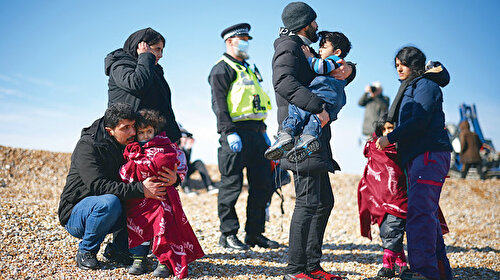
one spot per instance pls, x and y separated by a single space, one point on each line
291 76
94 171
136 80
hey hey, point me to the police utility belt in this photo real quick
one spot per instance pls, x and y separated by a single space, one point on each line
246 100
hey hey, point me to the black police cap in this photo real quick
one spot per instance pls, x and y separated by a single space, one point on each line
240 29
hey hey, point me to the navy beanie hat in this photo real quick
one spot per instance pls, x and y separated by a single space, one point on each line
297 15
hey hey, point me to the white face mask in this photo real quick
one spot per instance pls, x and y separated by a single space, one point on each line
242 49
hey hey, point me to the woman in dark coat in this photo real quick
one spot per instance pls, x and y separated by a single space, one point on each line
424 152
136 78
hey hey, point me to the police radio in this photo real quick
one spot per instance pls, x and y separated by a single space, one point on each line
256 103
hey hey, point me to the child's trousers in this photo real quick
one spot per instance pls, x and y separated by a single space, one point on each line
392 231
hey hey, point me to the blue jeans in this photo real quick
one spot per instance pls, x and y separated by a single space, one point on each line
93 218
300 121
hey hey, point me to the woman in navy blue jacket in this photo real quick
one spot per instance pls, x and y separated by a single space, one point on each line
424 153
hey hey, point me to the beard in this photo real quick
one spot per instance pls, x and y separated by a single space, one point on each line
311 34
242 54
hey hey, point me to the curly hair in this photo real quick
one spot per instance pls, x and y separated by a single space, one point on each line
148 117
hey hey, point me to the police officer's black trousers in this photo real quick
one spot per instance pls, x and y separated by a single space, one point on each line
259 177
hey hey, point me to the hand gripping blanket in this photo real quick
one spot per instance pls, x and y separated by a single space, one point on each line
163 222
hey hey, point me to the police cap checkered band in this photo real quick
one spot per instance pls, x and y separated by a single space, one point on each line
240 29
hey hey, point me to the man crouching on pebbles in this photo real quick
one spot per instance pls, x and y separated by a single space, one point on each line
91 201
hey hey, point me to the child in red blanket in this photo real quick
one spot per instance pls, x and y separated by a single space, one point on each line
161 221
382 199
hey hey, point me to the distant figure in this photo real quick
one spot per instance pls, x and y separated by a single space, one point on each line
469 154
186 144
376 105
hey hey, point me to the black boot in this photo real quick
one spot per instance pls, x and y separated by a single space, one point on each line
260 240
87 260
232 242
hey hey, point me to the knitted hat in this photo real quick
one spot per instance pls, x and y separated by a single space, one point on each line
297 15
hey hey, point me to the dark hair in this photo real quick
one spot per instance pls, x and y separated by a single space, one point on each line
338 41
152 118
117 112
152 37
413 58
379 125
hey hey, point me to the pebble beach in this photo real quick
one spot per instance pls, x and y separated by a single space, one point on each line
33 245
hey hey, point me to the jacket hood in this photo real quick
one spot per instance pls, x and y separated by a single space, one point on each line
437 73
464 126
97 132
146 34
114 56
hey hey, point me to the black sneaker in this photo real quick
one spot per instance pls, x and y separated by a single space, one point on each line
260 240
306 145
138 267
232 242
113 254
87 260
386 272
284 142
161 271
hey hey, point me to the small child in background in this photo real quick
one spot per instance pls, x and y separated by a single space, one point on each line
334 46
382 199
164 222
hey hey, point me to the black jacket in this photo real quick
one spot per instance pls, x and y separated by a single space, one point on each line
136 80
220 79
95 163
291 77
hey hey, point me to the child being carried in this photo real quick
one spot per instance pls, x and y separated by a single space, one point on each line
334 46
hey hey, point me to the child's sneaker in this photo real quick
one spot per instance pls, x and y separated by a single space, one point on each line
306 145
388 260
161 271
401 265
138 267
284 143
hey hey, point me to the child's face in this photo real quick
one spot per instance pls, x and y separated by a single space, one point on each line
145 133
388 128
327 50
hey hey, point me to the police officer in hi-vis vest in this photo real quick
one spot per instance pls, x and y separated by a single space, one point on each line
241 105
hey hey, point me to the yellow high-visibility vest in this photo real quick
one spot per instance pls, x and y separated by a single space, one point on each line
246 100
